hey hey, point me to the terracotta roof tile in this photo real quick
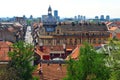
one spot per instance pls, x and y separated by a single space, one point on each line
4 56
118 35
4 48
113 28
52 72
76 51
74 54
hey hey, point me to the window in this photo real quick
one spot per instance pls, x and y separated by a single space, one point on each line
58 32
94 40
75 42
89 40
80 40
48 33
104 40
49 42
99 40
70 42
58 42
65 41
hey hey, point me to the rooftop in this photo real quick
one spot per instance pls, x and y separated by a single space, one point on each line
84 27
4 49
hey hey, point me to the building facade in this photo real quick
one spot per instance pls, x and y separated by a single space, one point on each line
60 39
10 31
74 34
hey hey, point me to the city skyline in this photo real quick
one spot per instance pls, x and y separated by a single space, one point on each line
66 8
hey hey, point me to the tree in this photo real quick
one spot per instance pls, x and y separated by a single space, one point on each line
21 57
71 68
29 22
114 58
8 73
89 66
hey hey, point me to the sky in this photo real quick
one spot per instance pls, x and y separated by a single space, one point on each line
66 8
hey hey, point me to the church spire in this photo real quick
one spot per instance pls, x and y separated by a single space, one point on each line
49 10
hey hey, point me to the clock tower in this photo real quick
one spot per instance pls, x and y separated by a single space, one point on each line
50 22
49 11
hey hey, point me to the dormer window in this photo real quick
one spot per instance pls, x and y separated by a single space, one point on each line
48 33
58 31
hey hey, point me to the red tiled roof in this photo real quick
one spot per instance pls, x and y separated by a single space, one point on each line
74 54
113 28
118 35
51 71
4 49
76 51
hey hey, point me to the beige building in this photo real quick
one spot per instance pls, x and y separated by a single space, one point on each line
8 31
74 34
60 39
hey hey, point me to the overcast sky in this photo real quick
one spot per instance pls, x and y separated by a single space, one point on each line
66 8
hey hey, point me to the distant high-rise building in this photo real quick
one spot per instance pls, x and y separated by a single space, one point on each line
56 15
75 18
102 18
96 17
31 17
107 18
78 17
24 16
81 17
84 17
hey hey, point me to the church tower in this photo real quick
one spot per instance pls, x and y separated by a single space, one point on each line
49 11
50 22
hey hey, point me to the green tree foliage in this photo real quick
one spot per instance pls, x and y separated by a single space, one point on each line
71 68
8 73
89 66
114 58
28 22
21 57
